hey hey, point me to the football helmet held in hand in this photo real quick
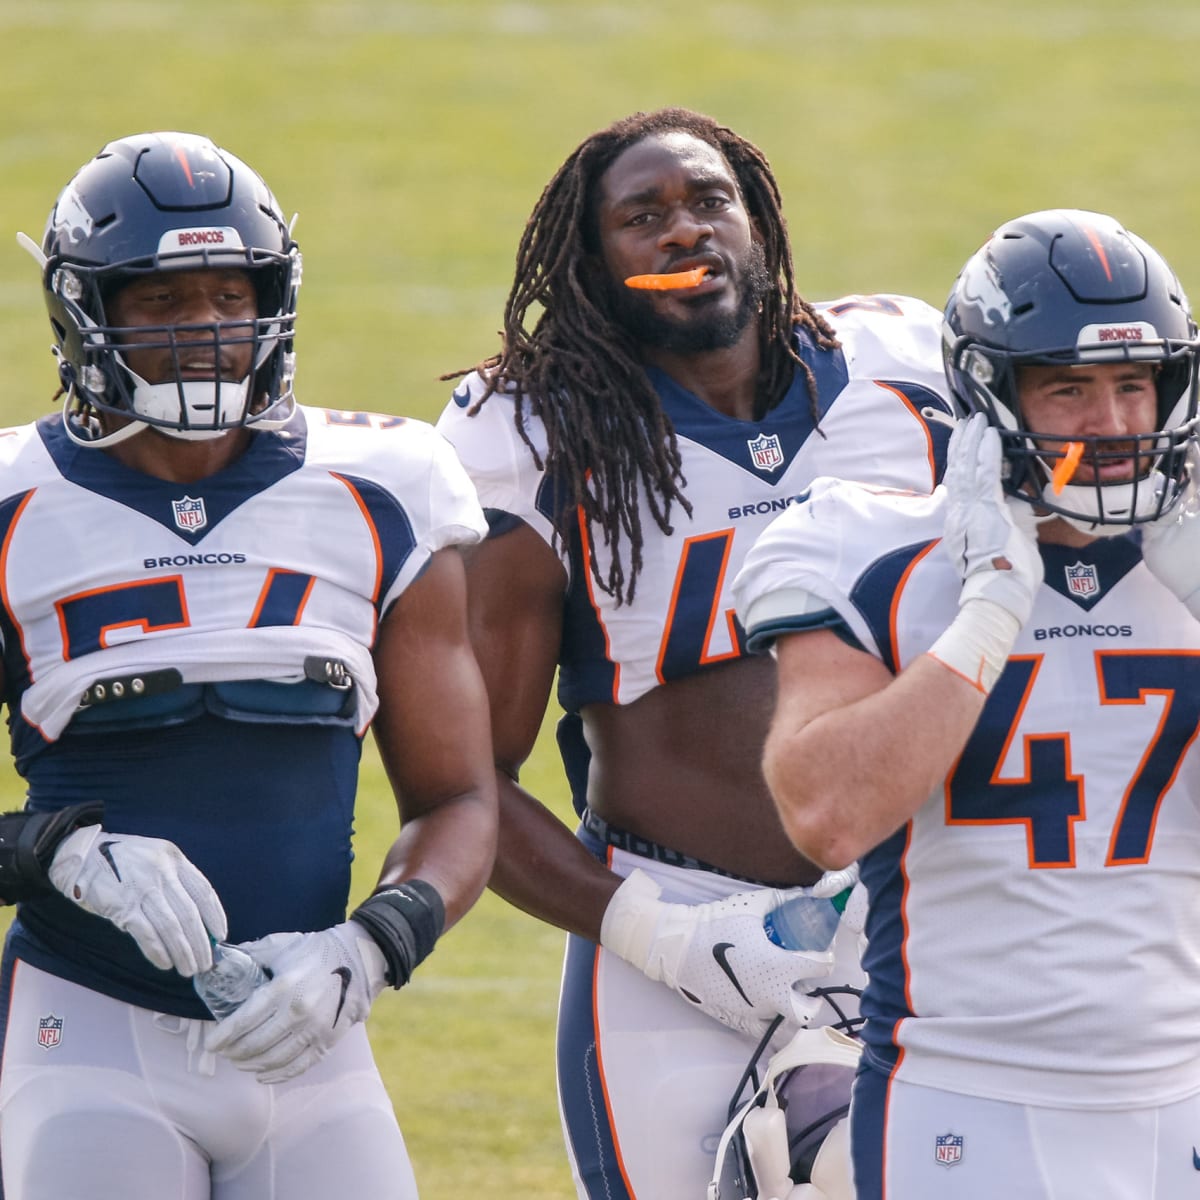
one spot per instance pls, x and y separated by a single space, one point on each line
787 1137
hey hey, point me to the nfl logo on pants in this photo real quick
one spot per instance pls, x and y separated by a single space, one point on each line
948 1149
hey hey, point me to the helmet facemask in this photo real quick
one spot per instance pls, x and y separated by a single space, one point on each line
1063 475
163 203
183 406
1066 288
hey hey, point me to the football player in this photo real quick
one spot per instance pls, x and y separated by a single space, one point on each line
208 593
988 697
673 394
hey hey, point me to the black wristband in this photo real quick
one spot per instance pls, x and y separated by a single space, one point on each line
406 921
28 841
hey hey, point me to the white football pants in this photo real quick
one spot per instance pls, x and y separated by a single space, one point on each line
645 1078
937 1145
120 1103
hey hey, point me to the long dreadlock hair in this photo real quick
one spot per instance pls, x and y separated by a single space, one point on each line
580 372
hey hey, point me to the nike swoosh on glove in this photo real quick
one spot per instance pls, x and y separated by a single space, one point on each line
991 539
1171 545
715 955
322 983
146 887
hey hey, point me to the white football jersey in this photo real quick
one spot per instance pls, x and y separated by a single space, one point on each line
295 550
224 609
1035 927
872 394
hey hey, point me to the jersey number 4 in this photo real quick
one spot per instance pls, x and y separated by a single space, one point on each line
695 609
1049 798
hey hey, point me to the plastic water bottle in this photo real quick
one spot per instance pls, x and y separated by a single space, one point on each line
227 984
805 922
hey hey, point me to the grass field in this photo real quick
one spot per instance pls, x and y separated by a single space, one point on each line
413 138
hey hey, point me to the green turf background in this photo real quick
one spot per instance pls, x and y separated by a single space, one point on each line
413 138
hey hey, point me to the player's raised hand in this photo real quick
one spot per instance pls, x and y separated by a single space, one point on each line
990 538
716 955
992 541
1171 545
146 887
322 983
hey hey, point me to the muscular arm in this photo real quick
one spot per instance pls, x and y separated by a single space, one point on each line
854 752
432 733
516 593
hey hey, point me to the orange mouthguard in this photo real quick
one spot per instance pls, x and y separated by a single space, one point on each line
667 283
1065 467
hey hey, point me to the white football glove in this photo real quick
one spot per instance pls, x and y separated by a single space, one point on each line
833 883
715 955
991 539
1171 545
146 887
322 983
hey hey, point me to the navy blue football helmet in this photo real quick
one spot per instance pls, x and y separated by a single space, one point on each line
164 202
1068 286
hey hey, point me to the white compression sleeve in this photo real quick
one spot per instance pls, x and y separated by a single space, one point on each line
977 643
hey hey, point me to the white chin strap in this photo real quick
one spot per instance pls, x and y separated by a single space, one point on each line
201 398
1124 503
213 406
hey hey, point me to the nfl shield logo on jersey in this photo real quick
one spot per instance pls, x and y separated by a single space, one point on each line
766 451
49 1031
1082 580
948 1149
189 513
